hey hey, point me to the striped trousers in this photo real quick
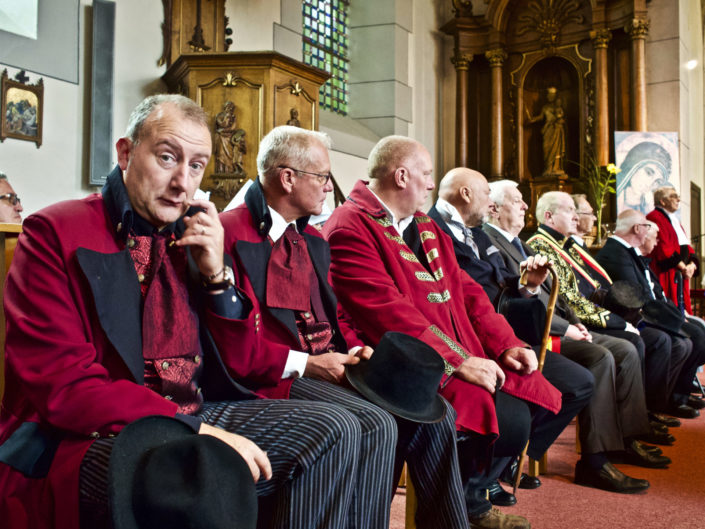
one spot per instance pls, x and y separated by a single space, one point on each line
429 450
314 449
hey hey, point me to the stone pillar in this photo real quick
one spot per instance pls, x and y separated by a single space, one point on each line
496 57
600 38
461 61
638 29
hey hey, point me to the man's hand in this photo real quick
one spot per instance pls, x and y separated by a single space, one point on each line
363 353
520 359
330 366
536 268
689 270
578 332
255 458
204 234
482 372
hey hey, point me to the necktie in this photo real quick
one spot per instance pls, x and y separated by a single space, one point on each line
517 244
467 238
288 277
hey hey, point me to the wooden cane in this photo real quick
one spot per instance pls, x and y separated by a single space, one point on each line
542 354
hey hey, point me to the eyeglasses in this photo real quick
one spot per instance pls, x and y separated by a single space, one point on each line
323 178
647 226
12 198
586 213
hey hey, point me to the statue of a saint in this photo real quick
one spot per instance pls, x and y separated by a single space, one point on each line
293 118
553 132
229 142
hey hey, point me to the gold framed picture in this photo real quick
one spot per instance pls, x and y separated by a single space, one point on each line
21 108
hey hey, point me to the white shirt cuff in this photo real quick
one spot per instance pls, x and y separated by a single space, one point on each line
295 364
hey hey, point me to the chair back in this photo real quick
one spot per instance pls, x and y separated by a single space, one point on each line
8 241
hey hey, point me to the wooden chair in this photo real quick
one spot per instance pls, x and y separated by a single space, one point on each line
8 241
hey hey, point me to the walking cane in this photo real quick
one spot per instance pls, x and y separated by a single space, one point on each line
544 346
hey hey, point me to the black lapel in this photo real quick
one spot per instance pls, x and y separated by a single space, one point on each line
117 297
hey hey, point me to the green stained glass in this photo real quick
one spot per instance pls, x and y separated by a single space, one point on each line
325 36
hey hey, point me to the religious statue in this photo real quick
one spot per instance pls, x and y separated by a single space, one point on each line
230 143
553 132
294 118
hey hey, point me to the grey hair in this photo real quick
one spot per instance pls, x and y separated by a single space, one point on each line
498 190
388 154
189 108
548 202
653 225
287 145
577 197
662 192
626 221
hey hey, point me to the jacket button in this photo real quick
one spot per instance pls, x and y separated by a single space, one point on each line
119 226
168 397
165 365
261 225
197 359
95 435
140 278
307 314
131 243
309 337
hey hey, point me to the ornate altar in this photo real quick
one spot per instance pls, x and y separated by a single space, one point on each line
541 85
246 94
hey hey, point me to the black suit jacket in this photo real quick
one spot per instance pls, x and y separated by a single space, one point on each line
622 263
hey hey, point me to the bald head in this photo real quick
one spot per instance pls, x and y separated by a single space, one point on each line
389 154
632 226
467 190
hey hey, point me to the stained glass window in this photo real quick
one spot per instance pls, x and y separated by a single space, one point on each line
326 47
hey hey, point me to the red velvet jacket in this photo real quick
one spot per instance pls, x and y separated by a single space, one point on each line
74 366
666 255
246 239
382 285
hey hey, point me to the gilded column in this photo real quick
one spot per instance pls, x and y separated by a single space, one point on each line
496 57
638 29
600 39
462 61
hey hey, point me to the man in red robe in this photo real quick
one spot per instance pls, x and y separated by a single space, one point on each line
394 269
673 260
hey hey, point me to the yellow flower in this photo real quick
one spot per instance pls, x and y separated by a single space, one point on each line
613 169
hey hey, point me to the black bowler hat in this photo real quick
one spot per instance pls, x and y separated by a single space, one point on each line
402 377
526 316
625 299
163 475
664 316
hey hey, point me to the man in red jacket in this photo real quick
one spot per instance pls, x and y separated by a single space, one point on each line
282 264
393 268
118 307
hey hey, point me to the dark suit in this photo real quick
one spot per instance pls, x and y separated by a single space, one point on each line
617 408
623 263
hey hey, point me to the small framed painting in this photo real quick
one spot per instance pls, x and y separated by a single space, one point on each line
21 108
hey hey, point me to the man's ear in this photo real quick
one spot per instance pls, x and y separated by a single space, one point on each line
286 178
466 194
401 177
124 148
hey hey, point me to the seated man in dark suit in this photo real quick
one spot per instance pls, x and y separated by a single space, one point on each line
464 198
622 260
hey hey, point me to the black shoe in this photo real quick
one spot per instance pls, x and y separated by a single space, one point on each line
526 481
671 422
658 427
608 478
657 438
683 411
696 403
634 454
650 448
499 496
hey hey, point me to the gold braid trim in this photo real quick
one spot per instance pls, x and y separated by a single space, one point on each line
424 276
408 256
425 235
422 219
394 238
384 221
439 297
449 369
432 254
438 274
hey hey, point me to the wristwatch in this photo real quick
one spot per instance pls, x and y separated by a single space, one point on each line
227 282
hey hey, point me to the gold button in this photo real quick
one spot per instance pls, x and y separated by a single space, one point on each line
165 365
261 225
168 397
307 314
95 435
257 316
199 391
309 337
140 277
172 243
130 243
119 226
197 359
111 435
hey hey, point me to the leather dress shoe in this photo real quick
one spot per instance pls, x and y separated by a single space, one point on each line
671 422
499 496
696 403
635 454
683 411
608 478
526 481
650 448
658 427
495 519
657 438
